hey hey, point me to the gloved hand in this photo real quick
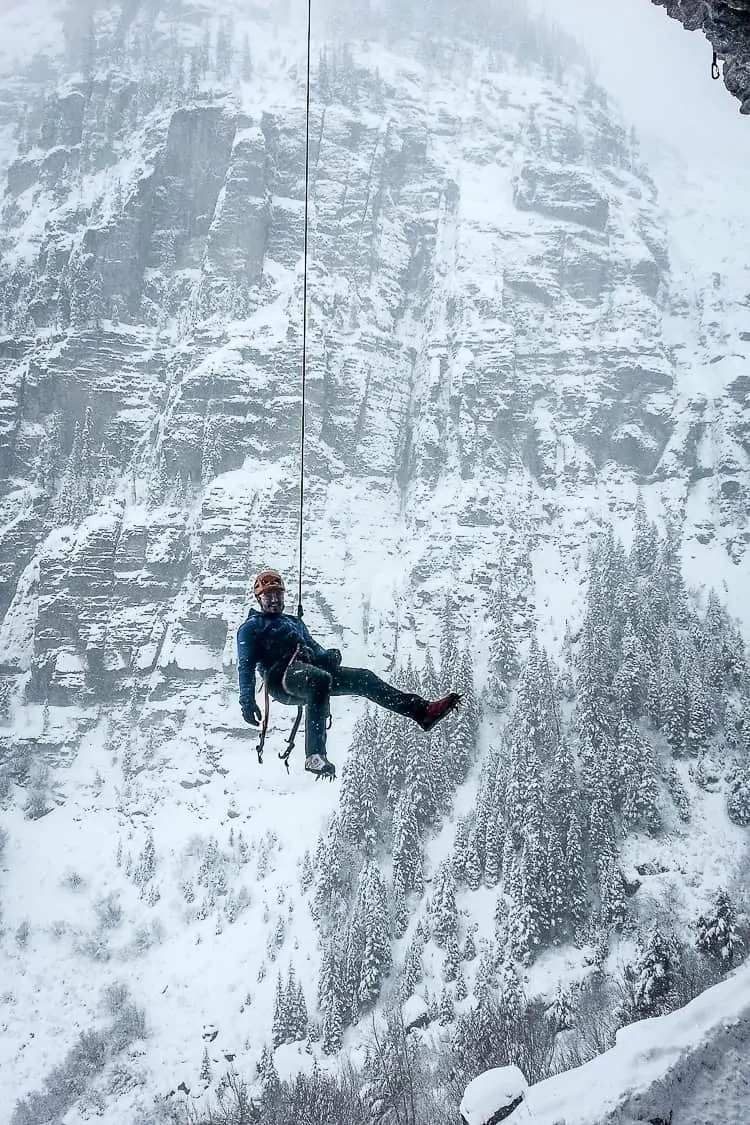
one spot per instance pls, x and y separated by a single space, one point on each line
332 659
251 712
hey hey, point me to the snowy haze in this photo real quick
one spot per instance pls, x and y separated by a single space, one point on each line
660 76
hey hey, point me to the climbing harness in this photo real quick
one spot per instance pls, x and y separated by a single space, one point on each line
284 754
715 67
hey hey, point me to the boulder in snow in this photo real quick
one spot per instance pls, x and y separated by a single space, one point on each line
497 1095
415 1013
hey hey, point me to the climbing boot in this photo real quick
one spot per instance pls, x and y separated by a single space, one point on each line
320 766
438 709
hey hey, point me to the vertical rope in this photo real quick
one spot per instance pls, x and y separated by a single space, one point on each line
304 316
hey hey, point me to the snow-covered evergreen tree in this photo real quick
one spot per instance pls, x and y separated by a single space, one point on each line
641 801
281 1021
399 907
503 662
407 846
717 934
358 809
655 975
445 918
206 1071
269 1077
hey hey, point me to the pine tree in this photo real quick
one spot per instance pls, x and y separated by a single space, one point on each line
536 709
474 859
399 908
673 713
511 883
641 805
510 991
411 971
324 78
576 898
269 1077
699 713
535 887
447 1008
358 815
602 835
669 566
371 916
293 1014
224 49
461 848
280 1026
213 445
452 959
611 890
430 684
493 847
503 666
562 1010
632 677
302 1019
204 52
655 976
645 541
407 847
392 766
448 647
486 977
332 1024
206 1070
420 781
157 485
557 885
717 935
445 917
328 900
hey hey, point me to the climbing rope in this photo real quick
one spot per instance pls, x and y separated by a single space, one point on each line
284 756
304 316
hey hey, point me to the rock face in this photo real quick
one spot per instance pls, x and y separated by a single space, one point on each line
726 25
488 282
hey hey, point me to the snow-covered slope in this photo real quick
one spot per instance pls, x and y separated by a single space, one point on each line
501 355
690 1067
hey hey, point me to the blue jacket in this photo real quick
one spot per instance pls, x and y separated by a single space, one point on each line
269 642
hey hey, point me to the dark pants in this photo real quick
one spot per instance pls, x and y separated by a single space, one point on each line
312 687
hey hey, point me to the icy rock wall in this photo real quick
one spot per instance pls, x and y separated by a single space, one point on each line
488 281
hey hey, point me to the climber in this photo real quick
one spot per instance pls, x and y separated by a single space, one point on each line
299 671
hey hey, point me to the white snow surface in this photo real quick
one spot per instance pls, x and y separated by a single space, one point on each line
660 1069
491 1091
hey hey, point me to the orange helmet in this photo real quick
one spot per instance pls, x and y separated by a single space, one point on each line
268 580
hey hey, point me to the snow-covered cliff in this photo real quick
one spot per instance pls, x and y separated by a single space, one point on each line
502 353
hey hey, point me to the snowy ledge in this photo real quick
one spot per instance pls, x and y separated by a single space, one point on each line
651 1071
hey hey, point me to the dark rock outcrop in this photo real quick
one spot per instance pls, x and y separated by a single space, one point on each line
726 25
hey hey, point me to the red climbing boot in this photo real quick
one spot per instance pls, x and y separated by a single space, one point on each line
437 710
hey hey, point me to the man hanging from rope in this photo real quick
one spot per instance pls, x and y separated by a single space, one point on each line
298 670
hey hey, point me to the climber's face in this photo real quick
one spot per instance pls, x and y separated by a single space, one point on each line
272 602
